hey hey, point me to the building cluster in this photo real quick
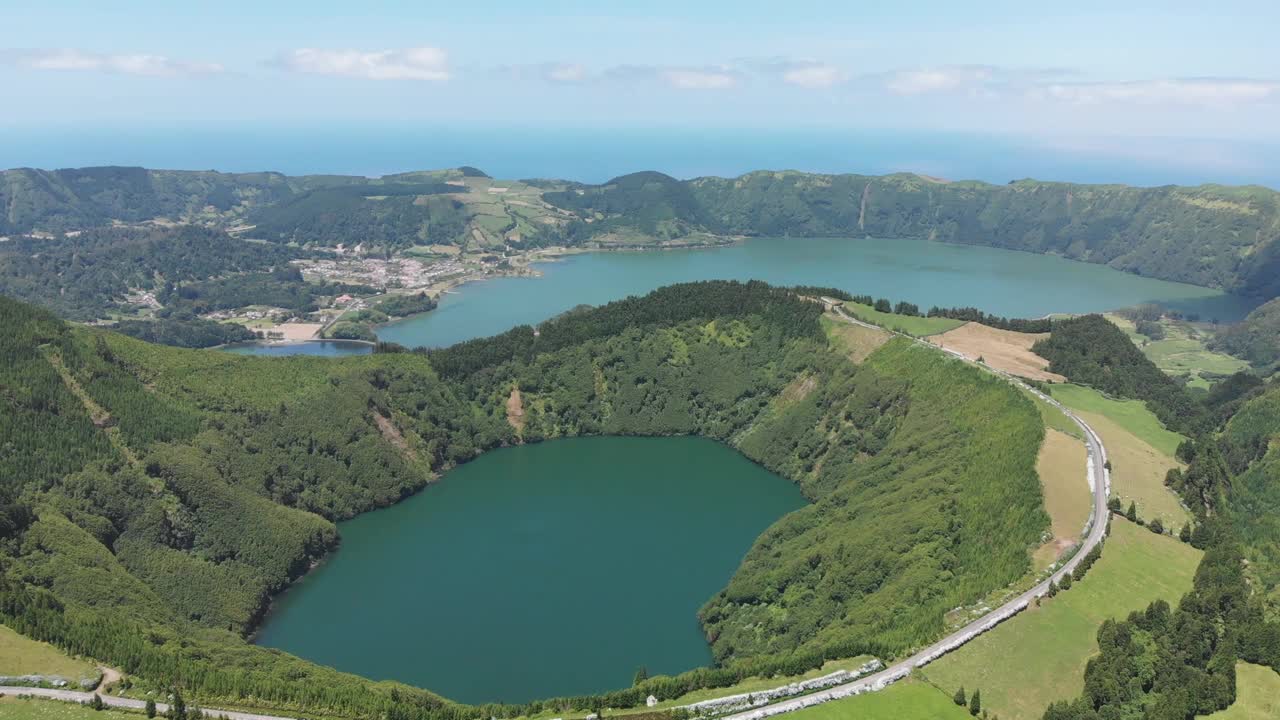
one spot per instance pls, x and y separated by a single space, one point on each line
381 273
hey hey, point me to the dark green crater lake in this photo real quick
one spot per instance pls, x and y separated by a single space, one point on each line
537 571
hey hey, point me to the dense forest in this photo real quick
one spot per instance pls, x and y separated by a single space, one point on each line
1090 350
1212 235
87 276
1256 338
131 469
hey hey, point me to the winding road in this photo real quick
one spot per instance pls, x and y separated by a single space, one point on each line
1099 480
1097 476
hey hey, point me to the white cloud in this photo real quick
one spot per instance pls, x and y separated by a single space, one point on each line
420 63
68 59
814 76
566 73
687 79
941 79
1208 92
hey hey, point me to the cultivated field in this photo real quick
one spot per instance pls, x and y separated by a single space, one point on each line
1039 656
909 324
1061 466
1138 466
20 655
1132 415
1257 695
1001 349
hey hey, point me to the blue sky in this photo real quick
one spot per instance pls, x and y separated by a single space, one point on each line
1087 76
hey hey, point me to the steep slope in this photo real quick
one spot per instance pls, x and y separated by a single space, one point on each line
210 481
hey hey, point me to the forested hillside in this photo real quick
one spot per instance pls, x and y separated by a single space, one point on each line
156 498
1212 235
1256 338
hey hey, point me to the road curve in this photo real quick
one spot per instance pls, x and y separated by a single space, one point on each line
1099 479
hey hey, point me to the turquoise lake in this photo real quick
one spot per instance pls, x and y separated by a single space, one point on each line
537 571
1004 282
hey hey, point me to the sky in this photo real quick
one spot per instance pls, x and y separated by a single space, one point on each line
1191 83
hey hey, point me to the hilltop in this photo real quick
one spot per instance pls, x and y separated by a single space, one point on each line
1210 235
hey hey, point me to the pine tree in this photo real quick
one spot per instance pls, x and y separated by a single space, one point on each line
151 708
1067 579
642 674
1053 588
959 697
975 703
96 702
1132 512
1185 533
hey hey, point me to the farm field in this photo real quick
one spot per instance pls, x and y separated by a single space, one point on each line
1039 656
909 324
20 655
1257 695
1182 352
1061 466
1130 415
1001 349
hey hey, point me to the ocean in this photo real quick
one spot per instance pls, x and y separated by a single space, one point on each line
597 154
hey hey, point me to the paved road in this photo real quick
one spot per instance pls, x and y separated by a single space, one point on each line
1099 484
130 703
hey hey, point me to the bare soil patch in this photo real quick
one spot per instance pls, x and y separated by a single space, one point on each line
1001 349
515 410
392 434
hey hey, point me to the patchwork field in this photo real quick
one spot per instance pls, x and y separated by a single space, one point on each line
909 324
1001 349
1182 352
20 655
1257 695
1039 656
906 700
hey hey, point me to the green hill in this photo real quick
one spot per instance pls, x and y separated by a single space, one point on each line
155 498
1211 235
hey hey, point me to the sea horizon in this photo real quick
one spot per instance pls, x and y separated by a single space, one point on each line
594 155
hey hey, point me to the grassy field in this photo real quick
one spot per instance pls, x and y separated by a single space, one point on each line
909 324
12 708
1039 657
1132 415
1182 352
1061 466
906 700
857 341
1139 447
20 655
1054 419
1257 695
